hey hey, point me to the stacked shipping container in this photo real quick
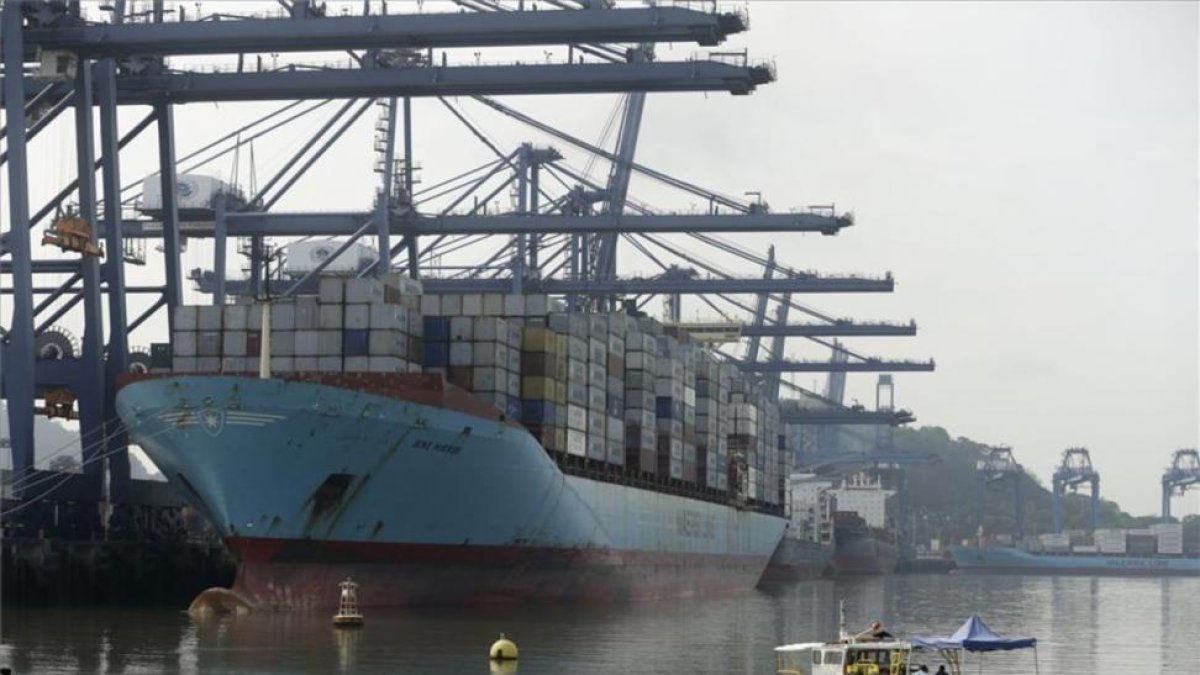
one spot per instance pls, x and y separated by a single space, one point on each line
611 389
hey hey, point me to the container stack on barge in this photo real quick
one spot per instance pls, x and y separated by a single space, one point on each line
462 449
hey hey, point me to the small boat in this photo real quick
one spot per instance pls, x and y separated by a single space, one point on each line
871 652
876 652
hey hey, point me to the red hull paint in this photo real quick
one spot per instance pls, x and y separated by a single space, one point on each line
304 574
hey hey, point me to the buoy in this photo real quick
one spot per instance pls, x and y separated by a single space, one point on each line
348 615
503 650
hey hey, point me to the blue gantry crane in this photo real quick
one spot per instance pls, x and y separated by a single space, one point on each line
1182 474
1075 469
561 235
997 470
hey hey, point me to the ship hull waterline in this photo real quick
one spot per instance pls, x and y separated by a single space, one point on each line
423 496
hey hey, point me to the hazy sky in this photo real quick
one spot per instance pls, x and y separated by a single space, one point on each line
1027 171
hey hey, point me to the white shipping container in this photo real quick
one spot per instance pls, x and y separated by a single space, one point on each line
577 371
513 387
329 317
689 396
357 317
576 417
195 191
489 378
254 314
282 364
386 364
306 344
388 317
283 342
514 305
233 364
472 304
331 290
462 328
536 305
386 343
597 423
615 429
597 398
431 305
235 317
490 329
357 364
329 343
461 353
183 364
597 374
364 291
209 317
329 364
490 354
306 313
493 304
576 442
186 317
452 305
183 344
514 358
306 364
283 316
233 343
208 364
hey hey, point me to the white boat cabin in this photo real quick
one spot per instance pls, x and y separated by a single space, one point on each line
866 657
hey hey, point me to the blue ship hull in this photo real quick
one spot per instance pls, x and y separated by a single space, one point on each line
421 501
1007 560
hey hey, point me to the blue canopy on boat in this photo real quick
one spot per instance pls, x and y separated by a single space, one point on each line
974 636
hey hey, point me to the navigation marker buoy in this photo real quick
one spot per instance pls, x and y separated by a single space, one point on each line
503 650
348 615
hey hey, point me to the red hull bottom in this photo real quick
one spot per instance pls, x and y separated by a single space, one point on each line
278 574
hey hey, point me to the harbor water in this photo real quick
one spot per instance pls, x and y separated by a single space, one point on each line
1084 625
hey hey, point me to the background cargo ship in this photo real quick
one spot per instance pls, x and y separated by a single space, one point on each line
1155 551
806 550
459 449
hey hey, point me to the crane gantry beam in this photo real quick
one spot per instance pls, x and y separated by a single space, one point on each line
515 79
835 329
869 366
839 416
244 224
648 286
390 31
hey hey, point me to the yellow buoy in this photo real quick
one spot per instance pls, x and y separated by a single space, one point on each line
503 650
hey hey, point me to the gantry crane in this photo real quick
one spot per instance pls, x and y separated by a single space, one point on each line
1074 470
995 468
117 64
1183 473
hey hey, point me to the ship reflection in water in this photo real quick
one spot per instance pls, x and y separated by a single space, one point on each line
1126 624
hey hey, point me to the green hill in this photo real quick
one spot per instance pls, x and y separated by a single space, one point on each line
943 499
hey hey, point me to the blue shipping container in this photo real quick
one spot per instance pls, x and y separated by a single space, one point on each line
512 409
615 406
537 411
437 329
668 408
355 343
437 354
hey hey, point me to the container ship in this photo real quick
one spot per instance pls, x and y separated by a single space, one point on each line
460 449
806 550
861 549
1154 551
865 542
